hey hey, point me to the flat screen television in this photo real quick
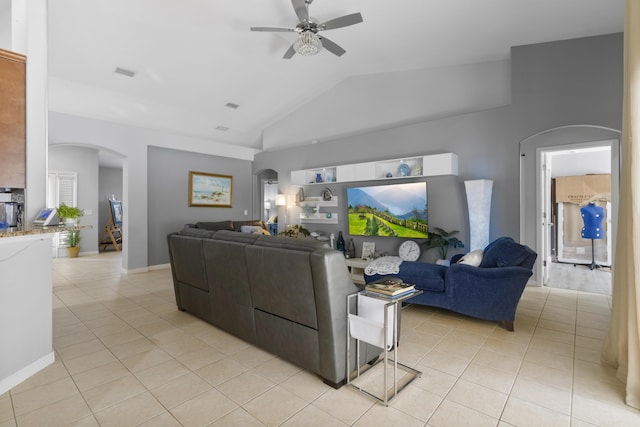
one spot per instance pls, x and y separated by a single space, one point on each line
394 210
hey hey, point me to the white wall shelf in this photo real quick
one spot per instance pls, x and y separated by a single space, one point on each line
318 216
408 167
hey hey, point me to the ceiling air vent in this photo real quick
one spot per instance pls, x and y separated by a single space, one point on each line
125 72
222 128
231 105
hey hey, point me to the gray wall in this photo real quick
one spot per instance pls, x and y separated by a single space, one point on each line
553 84
84 161
168 191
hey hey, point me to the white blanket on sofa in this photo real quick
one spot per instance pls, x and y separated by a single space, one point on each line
383 265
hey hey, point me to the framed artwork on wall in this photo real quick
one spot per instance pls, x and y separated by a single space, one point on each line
368 250
210 190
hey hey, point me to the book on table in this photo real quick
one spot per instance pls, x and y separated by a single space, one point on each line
389 287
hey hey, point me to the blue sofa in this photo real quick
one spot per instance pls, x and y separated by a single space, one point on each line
490 291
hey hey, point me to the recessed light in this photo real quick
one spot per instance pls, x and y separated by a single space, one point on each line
125 72
222 128
231 105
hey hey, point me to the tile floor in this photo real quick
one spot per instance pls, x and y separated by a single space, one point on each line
125 356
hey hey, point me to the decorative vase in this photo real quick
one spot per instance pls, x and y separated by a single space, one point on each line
73 251
340 243
319 177
352 249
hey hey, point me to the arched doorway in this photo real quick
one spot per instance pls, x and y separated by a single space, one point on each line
536 221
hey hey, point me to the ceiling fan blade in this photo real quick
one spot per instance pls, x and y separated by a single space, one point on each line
300 6
289 53
331 46
343 21
273 29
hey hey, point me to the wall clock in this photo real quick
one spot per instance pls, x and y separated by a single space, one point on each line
409 251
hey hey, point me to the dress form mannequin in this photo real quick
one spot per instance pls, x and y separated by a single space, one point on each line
592 216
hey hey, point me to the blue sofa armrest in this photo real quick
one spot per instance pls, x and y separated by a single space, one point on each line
486 293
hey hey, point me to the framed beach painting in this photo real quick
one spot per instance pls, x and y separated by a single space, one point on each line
210 190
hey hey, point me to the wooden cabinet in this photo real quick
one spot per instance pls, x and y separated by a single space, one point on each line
12 119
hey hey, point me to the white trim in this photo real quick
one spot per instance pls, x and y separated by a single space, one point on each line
13 380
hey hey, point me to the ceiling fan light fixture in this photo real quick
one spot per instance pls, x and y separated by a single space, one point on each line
308 43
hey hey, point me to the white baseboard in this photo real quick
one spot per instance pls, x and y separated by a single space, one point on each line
13 380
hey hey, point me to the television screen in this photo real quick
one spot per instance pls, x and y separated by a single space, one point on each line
395 210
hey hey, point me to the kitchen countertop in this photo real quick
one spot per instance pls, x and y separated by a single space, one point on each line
31 230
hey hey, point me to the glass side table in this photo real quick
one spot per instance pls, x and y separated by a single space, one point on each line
376 322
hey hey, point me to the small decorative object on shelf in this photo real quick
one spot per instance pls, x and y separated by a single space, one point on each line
352 249
301 195
319 177
340 243
404 169
327 195
328 176
389 175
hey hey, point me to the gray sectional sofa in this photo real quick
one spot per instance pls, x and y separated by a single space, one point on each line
286 296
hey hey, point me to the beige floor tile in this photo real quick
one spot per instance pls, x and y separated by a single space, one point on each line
89 361
453 414
245 387
434 381
237 417
80 349
54 372
88 421
306 386
275 406
199 358
544 395
203 409
145 360
220 371
180 390
250 357
548 346
163 420
549 358
416 402
558 378
421 337
382 416
6 408
161 373
276 370
131 348
101 375
605 413
43 395
444 362
457 348
524 414
344 404
478 397
498 361
510 348
494 379
63 412
131 412
114 392
311 416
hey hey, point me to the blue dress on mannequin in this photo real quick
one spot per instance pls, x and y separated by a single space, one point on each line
592 216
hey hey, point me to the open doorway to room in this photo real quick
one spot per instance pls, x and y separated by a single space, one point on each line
575 181
568 147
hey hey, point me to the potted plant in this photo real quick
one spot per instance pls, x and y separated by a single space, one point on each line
442 240
69 214
73 240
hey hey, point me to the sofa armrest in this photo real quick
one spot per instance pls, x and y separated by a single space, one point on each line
489 293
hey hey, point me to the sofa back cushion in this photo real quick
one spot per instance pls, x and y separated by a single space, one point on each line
215 226
237 225
281 280
505 252
196 232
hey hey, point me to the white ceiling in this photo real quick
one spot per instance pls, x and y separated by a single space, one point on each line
191 57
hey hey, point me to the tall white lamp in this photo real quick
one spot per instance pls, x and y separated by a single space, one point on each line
479 206
281 200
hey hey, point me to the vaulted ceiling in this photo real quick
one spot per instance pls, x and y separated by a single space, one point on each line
193 57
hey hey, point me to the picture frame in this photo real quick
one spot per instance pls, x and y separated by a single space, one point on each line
210 190
368 250
116 212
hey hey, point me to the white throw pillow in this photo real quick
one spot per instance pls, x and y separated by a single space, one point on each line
473 258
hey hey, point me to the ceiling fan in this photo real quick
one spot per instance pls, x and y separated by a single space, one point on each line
309 42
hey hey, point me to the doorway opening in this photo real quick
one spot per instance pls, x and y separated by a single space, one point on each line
574 181
268 190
